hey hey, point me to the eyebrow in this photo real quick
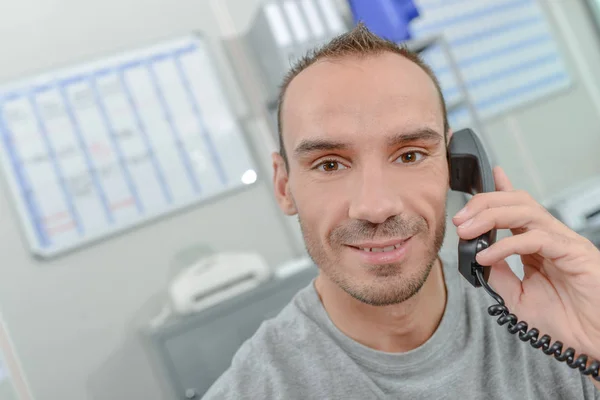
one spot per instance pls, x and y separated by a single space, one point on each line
313 145
421 134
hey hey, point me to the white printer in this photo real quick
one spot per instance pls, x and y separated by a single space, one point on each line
216 278
578 207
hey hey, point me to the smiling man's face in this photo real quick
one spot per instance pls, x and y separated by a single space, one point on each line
368 174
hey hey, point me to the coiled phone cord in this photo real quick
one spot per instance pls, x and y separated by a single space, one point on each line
531 336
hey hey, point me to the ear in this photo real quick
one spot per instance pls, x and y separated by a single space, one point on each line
449 136
281 185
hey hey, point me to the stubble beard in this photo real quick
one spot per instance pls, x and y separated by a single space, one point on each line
391 283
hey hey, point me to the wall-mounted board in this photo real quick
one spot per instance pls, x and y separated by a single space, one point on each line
97 148
504 49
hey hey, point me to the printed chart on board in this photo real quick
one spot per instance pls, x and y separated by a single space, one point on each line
504 50
94 149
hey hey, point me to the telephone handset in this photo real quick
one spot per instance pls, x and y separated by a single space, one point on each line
471 173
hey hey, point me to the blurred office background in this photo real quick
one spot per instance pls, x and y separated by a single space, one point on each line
95 301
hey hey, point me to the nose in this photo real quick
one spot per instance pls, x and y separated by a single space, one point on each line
375 199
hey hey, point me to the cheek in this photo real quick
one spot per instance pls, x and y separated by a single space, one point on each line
430 198
317 207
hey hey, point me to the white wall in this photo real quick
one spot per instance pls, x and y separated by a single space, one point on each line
75 341
72 319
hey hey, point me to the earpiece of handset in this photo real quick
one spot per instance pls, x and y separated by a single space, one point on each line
471 173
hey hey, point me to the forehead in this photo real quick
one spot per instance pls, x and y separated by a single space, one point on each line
354 99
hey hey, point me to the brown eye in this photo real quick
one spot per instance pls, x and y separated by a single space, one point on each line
330 166
410 157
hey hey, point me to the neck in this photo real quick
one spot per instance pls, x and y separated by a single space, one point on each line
395 328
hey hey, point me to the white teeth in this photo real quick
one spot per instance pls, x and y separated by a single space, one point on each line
381 249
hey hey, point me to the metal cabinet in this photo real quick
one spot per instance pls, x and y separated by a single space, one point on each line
192 352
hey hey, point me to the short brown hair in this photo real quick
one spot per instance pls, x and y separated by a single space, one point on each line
357 42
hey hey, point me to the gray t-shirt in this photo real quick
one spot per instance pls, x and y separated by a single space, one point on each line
300 354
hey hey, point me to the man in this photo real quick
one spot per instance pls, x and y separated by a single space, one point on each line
363 164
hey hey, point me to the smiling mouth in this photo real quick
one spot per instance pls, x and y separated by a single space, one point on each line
381 249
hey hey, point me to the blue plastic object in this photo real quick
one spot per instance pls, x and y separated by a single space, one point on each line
389 19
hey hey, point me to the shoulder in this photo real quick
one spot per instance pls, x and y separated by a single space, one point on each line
274 357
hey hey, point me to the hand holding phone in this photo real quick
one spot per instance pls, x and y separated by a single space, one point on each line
562 268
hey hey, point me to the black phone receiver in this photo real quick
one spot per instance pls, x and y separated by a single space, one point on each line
471 173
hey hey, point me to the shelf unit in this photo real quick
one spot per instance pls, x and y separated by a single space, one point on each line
266 51
260 63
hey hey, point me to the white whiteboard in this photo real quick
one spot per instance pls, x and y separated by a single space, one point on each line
504 49
94 149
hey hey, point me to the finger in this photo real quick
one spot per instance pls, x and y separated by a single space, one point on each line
506 283
502 182
482 201
509 217
548 245
517 218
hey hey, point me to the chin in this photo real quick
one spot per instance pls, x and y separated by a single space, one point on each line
382 285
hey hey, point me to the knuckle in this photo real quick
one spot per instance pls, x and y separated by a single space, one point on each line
540 234
479 200
587 244
547 213
562 240
524 196
477 197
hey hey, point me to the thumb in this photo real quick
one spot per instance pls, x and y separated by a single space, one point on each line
504 281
